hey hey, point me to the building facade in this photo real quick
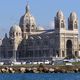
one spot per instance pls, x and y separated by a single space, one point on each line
28 42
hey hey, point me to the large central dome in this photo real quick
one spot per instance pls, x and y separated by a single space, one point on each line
27 21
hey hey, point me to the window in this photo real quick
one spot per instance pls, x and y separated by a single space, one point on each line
79 47
76 53
10 42
75 25
62 25
10 54
57 25
11 34
70 25
57 53
32 25
38 42
27 25
46 42
17 34
63 55
30 43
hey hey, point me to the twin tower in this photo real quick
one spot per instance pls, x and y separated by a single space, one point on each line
61 24
68 39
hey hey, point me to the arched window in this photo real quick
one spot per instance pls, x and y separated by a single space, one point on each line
76 53
11 34
33 25
17 34
38 42
56 23
70 25
63 55
79 47
45 42
57 53
75 25
62 24
30 43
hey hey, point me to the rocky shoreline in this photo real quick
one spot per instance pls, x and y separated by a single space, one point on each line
39 69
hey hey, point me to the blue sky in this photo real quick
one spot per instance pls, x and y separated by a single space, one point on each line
44 11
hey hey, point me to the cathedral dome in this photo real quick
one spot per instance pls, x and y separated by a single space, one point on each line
15 28
60 14
73 16
27 19
28 15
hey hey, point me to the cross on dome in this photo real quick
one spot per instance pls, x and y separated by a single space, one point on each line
27 7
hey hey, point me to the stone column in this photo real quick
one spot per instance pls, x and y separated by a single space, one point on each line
14 51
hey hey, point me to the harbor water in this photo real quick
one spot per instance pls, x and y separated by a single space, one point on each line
41 76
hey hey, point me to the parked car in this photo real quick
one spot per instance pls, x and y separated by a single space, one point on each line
40 62
68 64
16 63
69 60
23 63
35 62
47 62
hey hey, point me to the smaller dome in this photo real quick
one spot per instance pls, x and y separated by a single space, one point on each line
31 38
60 14
73 16
40 28
15 28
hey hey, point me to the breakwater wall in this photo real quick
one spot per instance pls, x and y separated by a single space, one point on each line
39 69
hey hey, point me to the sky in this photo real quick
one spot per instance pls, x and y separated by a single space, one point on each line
44 12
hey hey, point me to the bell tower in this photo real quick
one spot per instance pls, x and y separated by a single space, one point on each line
59 21
73 21
60 30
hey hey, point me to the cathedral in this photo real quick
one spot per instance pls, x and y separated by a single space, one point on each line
30 43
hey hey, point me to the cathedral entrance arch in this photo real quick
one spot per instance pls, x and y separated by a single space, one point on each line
69 48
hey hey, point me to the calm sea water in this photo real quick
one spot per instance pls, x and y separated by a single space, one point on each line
51 76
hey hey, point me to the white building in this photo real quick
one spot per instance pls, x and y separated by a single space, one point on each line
27 42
